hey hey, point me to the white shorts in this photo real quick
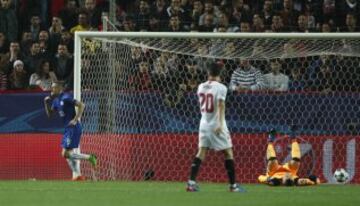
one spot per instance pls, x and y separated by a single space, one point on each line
207 138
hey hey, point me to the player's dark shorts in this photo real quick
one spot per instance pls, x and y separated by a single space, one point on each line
71 138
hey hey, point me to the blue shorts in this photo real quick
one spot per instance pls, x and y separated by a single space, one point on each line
72 136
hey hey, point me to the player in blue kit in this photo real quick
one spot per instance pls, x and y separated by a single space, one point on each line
65 104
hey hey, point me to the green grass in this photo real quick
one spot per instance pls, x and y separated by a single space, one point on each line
53 193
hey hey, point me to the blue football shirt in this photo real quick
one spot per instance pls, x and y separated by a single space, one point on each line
65 105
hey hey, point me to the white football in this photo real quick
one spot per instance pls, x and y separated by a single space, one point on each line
341 176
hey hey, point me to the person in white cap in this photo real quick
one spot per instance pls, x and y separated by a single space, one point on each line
18 78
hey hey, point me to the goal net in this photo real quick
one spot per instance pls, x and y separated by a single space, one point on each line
142 113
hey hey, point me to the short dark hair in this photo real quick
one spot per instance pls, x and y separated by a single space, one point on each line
274 181
214 69
313 178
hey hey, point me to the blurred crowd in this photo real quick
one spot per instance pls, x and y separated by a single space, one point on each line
241 16
36 41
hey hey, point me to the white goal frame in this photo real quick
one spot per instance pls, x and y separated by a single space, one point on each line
113 36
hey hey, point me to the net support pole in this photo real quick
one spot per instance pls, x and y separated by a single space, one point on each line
112 11
77 67
77 72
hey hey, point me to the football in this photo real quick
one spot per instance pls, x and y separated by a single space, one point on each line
341 176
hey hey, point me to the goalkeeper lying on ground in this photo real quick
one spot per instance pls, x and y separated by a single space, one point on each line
277 174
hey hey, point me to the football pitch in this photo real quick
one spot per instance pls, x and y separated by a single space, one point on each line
53 193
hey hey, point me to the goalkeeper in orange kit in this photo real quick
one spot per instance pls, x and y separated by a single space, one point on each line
286 174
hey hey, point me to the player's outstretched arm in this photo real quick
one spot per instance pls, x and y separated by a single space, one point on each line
49 111
308 181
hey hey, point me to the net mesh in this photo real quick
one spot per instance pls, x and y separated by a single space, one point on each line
142 113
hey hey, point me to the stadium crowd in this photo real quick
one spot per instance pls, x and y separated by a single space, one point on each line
36 41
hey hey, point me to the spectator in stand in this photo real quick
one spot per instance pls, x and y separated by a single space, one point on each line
186 5
46 45
41 7
297 82
275 80
128 24
311 14
175 24
141 79
8 20
26 42
192 76
245 27
246 78
326 79
44 36
325 27
83 23
160 72
288 14
241 12
196 12
18 78
56 26
351 24
175 9
43 77
154 23
302 24
4 47
209 9
69 14
328 12
66 39
230 66
143 15
342 8
348 6
159 10
35 26
224 23
33 59
94 13
63 65
278 25
136 57
258 23
3 81
208 24
7 60
267 13
55 32
4 44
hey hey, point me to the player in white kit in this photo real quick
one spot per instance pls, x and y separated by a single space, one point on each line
213 131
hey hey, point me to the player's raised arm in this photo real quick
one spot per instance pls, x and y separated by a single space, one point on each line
47 103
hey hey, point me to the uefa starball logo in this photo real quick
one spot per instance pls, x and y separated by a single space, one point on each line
320 157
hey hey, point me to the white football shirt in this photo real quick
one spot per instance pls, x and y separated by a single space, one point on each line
209 94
